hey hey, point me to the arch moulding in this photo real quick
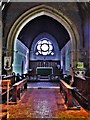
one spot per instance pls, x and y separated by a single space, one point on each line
48 11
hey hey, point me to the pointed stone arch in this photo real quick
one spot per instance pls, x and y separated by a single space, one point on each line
51 12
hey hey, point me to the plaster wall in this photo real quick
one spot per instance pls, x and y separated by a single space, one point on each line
66 58
21 55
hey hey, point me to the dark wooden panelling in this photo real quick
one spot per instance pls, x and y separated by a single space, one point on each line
35 64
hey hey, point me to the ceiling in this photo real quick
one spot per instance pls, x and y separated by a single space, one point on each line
43 24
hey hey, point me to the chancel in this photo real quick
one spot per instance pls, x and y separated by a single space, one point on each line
45 60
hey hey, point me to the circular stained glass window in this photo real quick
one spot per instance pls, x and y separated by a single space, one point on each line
44 47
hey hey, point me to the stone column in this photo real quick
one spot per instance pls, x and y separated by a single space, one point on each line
89 33
0 55
85 17
87 39
0 43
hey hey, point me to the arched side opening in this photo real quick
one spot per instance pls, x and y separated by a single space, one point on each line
53 13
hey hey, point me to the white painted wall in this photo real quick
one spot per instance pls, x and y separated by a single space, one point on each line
66 58
21 54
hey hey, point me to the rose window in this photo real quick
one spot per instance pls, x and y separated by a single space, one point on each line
44 47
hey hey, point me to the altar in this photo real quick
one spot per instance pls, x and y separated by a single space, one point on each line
44 73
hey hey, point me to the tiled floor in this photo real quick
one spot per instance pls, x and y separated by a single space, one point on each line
43 103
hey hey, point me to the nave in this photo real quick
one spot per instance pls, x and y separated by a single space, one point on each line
45 41
45 101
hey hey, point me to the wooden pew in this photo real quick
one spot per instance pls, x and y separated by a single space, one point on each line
16 94
82 91
4 114
67 91
9 77
5 85
84 102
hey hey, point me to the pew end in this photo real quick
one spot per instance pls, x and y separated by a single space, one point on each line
67 91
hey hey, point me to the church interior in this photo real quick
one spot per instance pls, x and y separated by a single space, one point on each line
44 60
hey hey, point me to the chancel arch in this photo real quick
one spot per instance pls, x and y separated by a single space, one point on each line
45 10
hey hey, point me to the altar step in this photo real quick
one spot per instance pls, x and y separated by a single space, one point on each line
44 78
